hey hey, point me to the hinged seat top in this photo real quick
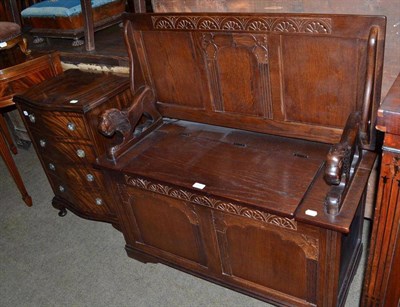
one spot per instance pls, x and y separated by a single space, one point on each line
265 172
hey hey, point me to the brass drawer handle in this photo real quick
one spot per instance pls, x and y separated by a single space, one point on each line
52 166
42 143
90 177
71 126
99 201
32 118
80 153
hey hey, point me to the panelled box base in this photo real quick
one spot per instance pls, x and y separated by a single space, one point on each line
281 266
269 256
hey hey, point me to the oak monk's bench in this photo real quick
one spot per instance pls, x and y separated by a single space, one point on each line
244 152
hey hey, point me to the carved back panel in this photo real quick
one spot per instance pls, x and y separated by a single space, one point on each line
292 75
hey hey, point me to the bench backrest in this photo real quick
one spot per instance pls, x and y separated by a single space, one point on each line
293 75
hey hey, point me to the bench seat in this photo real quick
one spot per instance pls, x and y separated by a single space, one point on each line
267 172
243 151
245 154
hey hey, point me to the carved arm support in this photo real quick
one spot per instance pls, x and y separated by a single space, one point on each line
341 163
128 126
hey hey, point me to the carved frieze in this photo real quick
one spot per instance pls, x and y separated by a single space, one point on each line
211 202
245 24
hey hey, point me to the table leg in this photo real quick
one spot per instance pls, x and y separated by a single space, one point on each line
5 154
6 133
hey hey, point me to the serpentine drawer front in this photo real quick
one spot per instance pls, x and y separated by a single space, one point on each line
61 117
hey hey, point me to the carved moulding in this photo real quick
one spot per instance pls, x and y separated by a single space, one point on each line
211 202
255 44
244 24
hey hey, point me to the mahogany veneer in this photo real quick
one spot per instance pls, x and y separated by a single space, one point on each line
382 279
61 117
13 80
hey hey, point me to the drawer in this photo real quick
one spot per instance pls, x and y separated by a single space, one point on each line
80 177
91 202
85 177
64 150
61 124
60 187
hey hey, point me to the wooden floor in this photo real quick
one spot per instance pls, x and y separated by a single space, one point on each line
110 48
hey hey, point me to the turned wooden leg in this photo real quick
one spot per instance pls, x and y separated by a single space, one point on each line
5 154
6 133
57 204
62 212
23 45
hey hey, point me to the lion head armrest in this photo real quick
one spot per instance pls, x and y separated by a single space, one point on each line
128 126
341 163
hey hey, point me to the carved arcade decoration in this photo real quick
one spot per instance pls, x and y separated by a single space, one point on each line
245 24
211 202
213 45
308 244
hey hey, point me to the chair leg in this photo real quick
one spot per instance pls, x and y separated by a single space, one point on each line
5 154
6 133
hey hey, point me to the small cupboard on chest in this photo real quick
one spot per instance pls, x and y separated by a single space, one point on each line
243 153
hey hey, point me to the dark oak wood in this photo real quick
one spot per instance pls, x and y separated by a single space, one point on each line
342 160
382 277
287 87
61 116
389 8
139 120
215 151
252 107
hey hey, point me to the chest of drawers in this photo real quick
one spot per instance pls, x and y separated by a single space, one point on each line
61 116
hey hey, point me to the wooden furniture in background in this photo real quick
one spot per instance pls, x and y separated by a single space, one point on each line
222 166
89 20
10 35
382 279
61 117
14 80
